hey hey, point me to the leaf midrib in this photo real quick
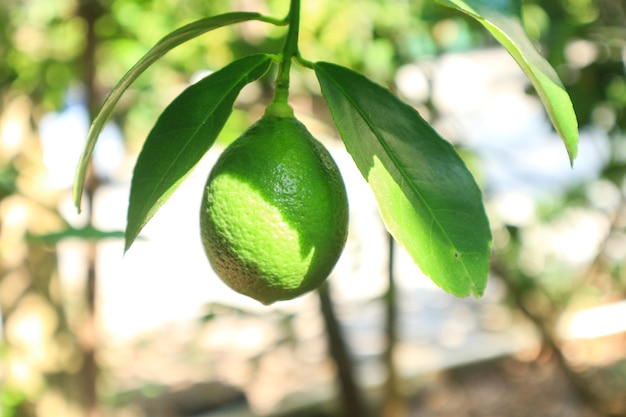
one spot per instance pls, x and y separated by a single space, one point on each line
163 46
403 173
191 137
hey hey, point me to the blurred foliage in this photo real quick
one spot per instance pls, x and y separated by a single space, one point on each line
586 42
45 40
42 42
42 45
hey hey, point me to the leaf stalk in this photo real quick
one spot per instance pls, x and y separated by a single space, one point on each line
290 50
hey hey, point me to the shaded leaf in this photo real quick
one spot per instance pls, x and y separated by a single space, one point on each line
184 132
428 199
502 19
166 44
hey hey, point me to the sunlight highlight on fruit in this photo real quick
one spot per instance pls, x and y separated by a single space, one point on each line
274 214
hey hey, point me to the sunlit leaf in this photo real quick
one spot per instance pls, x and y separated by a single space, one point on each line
428 199
166 44
502 19
184 132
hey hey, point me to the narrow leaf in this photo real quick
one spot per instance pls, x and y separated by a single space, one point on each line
428 199
166 44
183 133
87 233
503 19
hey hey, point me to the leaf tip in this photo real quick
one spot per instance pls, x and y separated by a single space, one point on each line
129 238
132 233
77 193
127 246
478 292
77 205
572 153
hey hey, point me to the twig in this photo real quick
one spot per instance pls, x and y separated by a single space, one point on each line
351 398
541 323
393 404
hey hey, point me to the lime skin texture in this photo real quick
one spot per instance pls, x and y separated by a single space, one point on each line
274 214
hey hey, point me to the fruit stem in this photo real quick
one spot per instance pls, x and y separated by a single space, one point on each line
279 106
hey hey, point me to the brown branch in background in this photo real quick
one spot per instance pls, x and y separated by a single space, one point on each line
90 11
394 405
352 400
542 322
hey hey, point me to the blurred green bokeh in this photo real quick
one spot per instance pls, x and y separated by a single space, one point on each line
42 50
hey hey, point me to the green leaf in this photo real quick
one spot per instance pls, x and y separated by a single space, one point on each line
428 199
183 133
503 19
166 44
85 233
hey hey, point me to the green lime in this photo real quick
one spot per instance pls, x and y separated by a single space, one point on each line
274 216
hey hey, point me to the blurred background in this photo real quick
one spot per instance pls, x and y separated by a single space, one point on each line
89 331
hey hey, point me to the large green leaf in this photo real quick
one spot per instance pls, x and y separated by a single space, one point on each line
166 44
503 19
428 199
183 134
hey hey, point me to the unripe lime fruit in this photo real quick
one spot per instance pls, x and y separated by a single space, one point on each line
274 215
